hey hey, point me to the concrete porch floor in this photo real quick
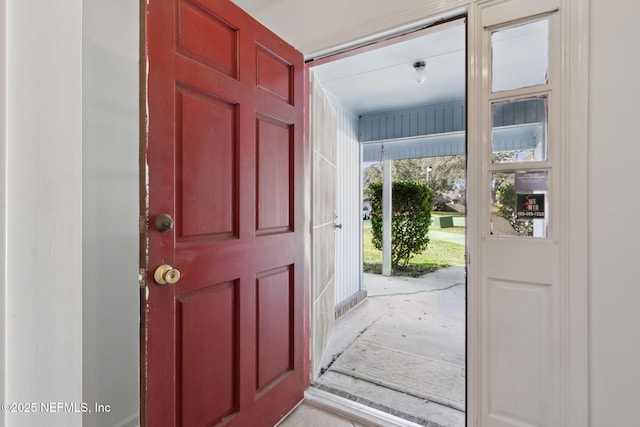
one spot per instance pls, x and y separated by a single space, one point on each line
424 317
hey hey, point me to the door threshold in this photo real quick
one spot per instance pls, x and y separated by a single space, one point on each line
352 410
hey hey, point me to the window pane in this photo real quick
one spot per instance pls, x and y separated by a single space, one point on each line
520 56
519 130
520 204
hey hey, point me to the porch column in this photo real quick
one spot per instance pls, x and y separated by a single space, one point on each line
387 180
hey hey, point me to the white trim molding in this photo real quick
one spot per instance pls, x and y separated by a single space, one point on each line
576 300
3 203
352 410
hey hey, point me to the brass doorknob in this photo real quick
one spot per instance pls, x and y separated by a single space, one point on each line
166 275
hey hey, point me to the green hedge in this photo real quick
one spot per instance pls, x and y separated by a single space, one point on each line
410 219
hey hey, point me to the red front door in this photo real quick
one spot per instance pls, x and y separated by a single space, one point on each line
224 344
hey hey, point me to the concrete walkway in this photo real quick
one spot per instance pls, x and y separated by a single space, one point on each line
422 318
379 285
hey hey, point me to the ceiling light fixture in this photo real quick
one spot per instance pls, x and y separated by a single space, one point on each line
420 73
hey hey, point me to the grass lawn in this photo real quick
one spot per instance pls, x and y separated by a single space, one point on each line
438 254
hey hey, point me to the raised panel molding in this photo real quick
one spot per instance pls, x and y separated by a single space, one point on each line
274 325
274 74
220 52
205 129
520 352
213 391
274 176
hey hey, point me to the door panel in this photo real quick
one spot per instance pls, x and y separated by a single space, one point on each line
205 212
202 317
520 285
323 137
274 175
218 50
225 344
518 331
275 344
274 74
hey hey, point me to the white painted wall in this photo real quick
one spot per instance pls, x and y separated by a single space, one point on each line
110 350
71 145
43 317
614 232
3 197
348 206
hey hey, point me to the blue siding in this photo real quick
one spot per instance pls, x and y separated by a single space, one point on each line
436 145
412 122
439 130
519 112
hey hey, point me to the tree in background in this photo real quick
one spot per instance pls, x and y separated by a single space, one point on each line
447 173
371 174
410 220
506 198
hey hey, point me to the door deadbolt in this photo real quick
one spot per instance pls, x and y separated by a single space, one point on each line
164 223
166 275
